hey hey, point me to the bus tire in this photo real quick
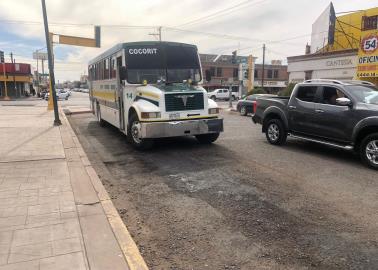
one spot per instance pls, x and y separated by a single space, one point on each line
133 135
207 138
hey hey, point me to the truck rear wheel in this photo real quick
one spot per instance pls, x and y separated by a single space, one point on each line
275 132
243 110
369 150
207 138
133 135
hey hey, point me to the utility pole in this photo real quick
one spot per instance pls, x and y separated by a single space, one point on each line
37 74
51 67
14 77
157 34
263 68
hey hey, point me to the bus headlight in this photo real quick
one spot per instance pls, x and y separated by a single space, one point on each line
148 115
214 111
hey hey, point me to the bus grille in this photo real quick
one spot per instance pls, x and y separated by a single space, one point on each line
184 102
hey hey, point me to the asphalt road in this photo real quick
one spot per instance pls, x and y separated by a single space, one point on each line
240 203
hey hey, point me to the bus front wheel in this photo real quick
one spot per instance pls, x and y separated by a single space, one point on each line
133 135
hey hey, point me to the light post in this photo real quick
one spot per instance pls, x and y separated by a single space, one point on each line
37 58
57 121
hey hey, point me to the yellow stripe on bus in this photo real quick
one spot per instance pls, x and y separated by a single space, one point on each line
146 94
105 95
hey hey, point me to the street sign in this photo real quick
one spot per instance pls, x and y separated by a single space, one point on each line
39 56
242 60
1 57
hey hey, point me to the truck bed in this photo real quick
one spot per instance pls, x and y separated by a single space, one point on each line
265 102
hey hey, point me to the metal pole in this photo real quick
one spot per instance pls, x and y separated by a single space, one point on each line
230 96
160 33
51 68
240 75
263 68
5 83
37 74
14 77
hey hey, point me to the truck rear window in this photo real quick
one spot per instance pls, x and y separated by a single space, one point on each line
307 93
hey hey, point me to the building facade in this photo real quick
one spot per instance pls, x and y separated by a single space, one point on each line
349 50
15 80
222 71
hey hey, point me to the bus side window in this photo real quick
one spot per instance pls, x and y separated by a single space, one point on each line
119 65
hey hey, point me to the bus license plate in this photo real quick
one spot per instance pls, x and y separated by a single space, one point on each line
174 116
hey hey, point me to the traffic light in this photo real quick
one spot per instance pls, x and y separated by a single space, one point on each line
234 54
246 72
1 57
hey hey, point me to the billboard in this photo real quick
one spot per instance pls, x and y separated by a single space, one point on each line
323 29
39 56
368 55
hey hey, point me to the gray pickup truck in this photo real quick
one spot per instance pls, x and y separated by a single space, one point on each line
342 114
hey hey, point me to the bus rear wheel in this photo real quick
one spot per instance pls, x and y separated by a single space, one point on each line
133 135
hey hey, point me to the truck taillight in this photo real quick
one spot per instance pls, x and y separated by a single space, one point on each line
255 106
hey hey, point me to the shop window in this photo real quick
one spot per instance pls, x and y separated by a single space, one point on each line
235 73
369 23
308 75
212 71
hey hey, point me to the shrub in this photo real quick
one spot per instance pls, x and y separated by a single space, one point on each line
257 90
287 91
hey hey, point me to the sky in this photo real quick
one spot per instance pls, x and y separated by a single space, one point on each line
215 26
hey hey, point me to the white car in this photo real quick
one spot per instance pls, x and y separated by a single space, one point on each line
223 94
60 94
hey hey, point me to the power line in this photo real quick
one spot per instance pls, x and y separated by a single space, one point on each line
78 24
227 10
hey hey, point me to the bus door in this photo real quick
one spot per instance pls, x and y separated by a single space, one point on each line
120 94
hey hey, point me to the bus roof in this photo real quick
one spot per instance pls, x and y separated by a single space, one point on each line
121 46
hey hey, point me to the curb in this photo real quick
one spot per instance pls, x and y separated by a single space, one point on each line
69 112
129 249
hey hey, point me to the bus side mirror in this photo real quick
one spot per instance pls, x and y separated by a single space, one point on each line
122 73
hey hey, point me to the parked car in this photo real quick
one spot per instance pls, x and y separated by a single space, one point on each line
248 103
222 94
331 112
84 90
60 94
68 91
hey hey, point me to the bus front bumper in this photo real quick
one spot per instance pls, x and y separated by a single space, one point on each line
180 128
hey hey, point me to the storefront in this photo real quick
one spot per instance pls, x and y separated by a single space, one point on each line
341 65
343 47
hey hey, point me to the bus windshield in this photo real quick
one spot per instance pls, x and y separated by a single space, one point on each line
171 63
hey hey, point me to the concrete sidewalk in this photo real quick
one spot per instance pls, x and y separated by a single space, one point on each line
54 211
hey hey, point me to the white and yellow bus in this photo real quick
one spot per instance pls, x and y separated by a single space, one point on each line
152 90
